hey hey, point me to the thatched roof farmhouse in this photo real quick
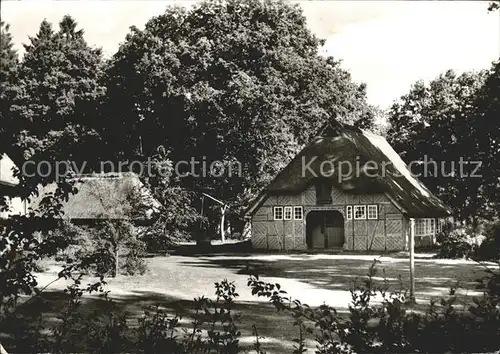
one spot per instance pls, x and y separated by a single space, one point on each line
314 204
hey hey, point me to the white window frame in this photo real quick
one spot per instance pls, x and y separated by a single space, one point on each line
431 226
439 225
289 210
426 227
372 207
348 212
295 213
275 213
420 227
362 207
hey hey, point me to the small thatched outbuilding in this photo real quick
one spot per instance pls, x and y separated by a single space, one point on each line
106 196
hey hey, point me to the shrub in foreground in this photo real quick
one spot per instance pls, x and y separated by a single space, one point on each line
212 326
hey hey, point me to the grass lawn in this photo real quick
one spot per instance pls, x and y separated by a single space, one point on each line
312 278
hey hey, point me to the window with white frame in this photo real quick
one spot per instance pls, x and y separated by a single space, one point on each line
298 213
278 213
426 227
431 226
372 212
348 212
288 213
420 227
359 212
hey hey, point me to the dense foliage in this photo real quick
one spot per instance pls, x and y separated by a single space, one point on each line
175 218
464 241
8 64
238 82
55 98
451 127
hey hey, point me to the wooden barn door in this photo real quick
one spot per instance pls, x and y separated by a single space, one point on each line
325 229
334 229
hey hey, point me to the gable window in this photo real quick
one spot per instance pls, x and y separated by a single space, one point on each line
278 213
348 212
298 213
288 213
372 212
359 212
324 192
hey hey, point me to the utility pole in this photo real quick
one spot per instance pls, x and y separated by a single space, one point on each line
412 261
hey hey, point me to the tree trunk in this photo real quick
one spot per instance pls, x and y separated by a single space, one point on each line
116 262
201 239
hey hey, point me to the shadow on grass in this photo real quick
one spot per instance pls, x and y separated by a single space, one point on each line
343 274
276 327
242 247
245 248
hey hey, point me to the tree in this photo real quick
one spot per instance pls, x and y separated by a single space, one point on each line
487 129
494 5
54 111
49 114
8 56
446 122
175 219
240 82
8 64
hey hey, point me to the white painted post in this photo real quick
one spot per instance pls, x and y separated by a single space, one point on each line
434 231
412 261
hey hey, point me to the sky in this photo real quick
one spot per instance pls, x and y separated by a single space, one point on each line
388 45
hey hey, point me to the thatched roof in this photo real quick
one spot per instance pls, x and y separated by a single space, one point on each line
105 196
6 173
342 143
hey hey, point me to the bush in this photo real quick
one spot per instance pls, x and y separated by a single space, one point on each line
389 327
41 266
481 243
133 261
80 241
118 249
103 248
456 242
489 250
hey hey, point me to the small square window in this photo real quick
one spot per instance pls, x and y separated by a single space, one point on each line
298 213
359 212
278 213
431 226
348 212
420 227
372 212
288 213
